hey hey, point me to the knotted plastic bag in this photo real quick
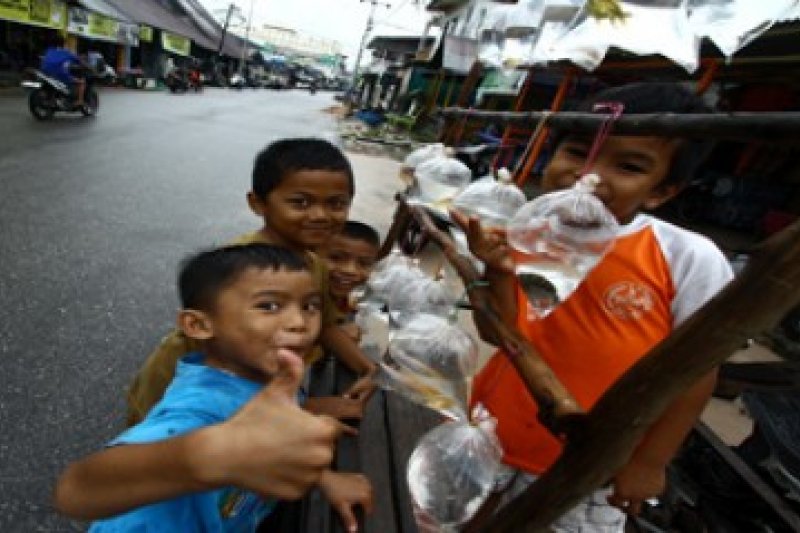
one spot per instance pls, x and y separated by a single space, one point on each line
439 179
422 154
493 201
438 350
641 27
453 469
419 295
394 270
557 239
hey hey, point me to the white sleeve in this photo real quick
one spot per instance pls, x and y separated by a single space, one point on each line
699 272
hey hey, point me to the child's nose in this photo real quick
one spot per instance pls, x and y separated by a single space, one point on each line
295 319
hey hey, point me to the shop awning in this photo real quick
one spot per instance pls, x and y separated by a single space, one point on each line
152 13
104 8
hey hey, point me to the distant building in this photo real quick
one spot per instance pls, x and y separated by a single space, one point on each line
288 40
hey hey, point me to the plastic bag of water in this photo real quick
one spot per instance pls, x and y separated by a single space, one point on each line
441 178
557 239
422 154
493 201
453 469
413 296
394 270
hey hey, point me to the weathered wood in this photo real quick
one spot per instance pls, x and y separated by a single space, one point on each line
764 126
558 410
406 423
756 300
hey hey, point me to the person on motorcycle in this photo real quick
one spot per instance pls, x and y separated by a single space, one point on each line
58 63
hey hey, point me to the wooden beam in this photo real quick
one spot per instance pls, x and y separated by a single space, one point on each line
766 126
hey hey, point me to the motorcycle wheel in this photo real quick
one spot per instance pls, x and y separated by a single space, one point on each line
92 104
40 104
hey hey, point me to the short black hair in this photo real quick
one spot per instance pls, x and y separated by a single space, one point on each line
282 157
204 275
362 232
656 97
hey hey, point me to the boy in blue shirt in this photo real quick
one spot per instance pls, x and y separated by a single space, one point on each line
253 310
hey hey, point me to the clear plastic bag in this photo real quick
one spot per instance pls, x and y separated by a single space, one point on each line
557 239
453 469
438 350
491 35
394 270
493 201
441 178
422 154
413 296
641 27
732 24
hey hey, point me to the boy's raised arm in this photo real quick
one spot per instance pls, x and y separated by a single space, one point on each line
333 338
491 247
644 476
271 446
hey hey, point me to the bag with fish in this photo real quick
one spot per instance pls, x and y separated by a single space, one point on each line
557 239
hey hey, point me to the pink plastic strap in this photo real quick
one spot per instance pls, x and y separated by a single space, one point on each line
614 110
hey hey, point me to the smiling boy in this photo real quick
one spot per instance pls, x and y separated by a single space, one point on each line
653 279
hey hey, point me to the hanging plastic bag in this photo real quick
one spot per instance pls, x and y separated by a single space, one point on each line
438 350
394 270
493 201
419 295
453 468
439 179
732 24
374 325
422 154
635 26
557 239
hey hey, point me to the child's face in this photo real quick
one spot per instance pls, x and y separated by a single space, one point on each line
350 262
259 313
306 209
632 170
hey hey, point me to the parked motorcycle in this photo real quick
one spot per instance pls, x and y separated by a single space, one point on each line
49 95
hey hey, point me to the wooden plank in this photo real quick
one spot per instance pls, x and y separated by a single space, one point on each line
406 422
374 451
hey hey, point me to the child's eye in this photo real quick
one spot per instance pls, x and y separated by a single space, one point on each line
339 204
632 168
299 203
269 306
314 306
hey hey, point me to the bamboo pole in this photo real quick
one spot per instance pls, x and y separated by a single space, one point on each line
765 126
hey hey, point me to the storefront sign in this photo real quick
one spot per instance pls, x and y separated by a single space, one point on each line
459 53
177 44
48 13
96 26
145 34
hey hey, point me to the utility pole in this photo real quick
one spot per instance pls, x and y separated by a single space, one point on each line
245 55
231 9
370 25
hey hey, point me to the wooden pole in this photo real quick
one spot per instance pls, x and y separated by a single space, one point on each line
508 133
765 126
756 300
538 144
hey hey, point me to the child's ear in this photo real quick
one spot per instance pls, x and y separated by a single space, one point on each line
256 204
195 324
661 195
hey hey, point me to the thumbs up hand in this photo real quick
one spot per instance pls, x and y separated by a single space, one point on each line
271 446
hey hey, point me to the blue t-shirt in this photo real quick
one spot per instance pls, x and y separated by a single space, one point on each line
198 396
56 62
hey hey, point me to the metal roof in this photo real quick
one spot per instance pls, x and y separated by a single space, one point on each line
104 8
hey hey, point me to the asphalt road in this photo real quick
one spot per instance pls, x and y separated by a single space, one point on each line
95 215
